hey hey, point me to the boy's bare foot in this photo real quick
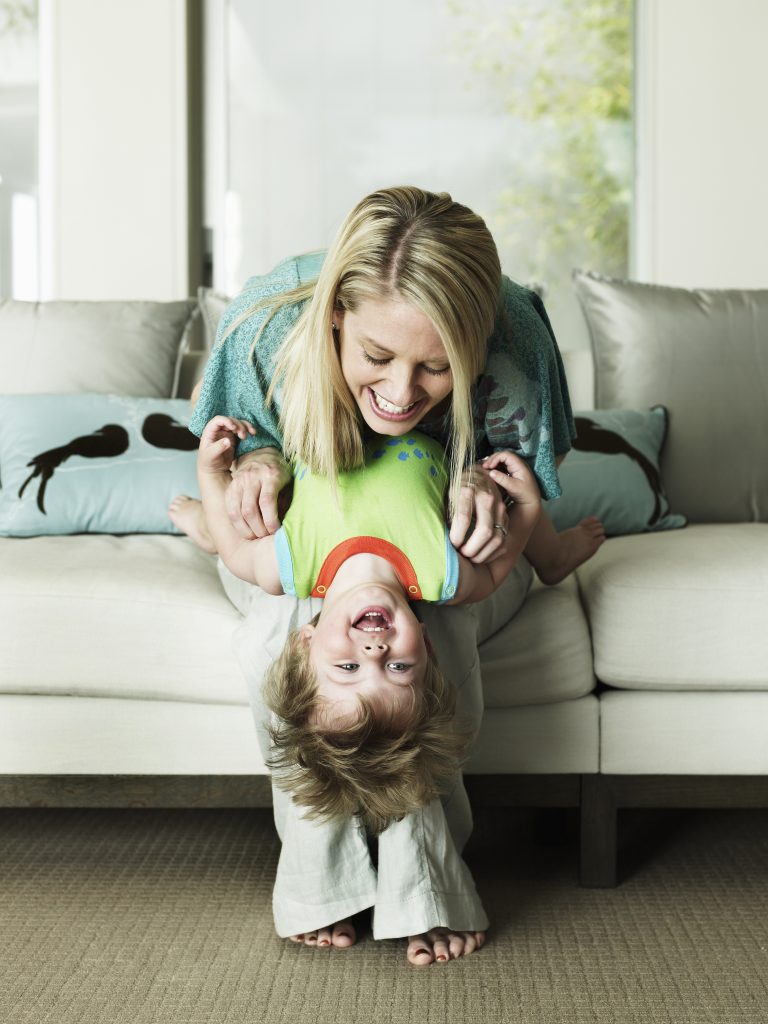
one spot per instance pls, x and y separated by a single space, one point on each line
439 945
341 935
187 514
574 547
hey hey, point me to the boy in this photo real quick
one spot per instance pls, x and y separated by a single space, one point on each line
365 719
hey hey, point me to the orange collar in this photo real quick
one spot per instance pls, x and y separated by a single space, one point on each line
367 546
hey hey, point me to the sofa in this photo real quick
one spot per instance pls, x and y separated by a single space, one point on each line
641 680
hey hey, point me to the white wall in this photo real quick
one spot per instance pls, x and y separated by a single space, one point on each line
702 154
113 149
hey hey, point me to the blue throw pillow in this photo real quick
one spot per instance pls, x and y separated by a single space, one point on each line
613 473
87 463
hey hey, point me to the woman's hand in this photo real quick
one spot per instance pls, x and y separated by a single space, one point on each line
251 498
481 501
485 497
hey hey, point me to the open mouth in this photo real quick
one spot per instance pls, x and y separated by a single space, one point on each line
388 410
373 620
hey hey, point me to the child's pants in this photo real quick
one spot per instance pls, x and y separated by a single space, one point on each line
325 872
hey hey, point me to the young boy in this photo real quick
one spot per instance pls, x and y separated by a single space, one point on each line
366 719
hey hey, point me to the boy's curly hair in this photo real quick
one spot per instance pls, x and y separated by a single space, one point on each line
378 767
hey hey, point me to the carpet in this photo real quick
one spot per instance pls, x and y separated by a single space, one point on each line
148 916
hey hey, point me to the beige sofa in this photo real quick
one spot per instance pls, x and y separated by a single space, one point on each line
118 685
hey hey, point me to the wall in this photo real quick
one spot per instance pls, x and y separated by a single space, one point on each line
702 149
113 149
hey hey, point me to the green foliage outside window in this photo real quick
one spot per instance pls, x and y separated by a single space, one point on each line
565 67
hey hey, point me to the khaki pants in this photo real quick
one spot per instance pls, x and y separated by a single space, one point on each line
325 871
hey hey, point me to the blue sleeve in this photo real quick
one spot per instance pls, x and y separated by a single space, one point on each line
521 399
236 380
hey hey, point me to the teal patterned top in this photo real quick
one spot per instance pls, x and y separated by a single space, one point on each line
520 401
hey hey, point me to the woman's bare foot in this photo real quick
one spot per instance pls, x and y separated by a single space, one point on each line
341 935
187 514
439 945
573 547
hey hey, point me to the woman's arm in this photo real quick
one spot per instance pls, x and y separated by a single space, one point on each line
521 404
253 560
478 580
235 383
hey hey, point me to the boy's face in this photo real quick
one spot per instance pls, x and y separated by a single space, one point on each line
367 642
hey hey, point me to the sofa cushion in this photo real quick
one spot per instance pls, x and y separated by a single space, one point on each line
613 472
212 306
93 615
683 733
45 735
121 348
704 355
551 739
543 655
93 463
681 611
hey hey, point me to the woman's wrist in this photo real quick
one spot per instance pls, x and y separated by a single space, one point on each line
272 456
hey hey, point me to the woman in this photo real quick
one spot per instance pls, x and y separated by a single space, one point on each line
406 322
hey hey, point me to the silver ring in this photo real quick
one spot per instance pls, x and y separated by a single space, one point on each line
498 526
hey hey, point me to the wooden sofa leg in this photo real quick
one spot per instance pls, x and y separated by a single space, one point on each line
598 832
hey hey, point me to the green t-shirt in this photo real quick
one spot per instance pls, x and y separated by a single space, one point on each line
393 507
520 401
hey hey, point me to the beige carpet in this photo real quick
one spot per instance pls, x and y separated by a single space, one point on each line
154 916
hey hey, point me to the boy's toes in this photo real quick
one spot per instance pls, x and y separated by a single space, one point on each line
343 934
310 938
419 951
324 937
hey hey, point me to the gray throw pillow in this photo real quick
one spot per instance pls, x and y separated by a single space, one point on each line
704 355
123 348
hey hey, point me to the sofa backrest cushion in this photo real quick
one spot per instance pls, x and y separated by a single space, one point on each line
212 306
704 355
121 348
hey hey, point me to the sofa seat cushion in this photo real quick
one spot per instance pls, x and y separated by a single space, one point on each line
92 735
543 654
702 733
558 739
681 611
140 616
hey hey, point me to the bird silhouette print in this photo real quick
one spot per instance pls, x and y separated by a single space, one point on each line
163 431
106 442
591 437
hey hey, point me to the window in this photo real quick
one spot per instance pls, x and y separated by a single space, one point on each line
518 108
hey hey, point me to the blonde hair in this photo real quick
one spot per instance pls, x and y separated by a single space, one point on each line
404 243
378 766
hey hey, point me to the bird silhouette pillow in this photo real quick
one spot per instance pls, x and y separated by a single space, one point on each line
613 472
92 463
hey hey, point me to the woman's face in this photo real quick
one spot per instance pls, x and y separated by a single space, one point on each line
393 362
